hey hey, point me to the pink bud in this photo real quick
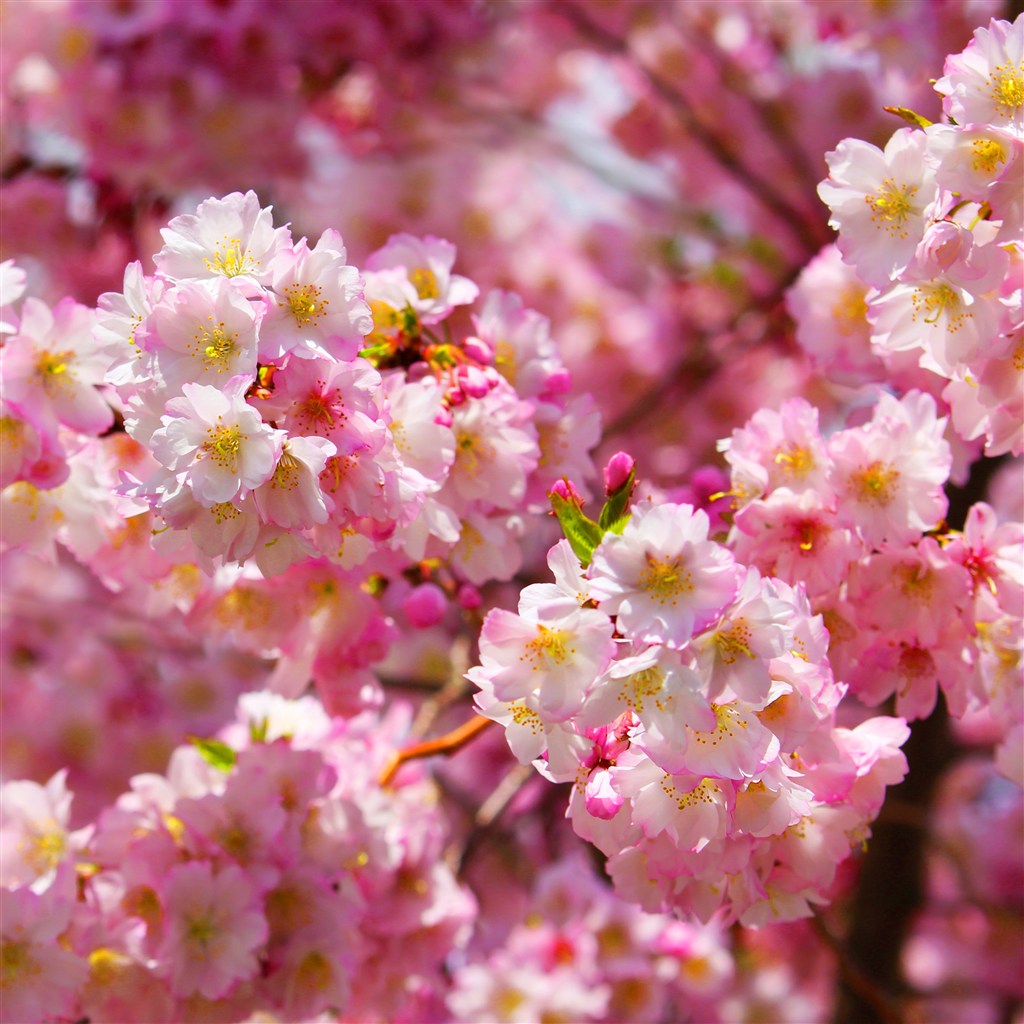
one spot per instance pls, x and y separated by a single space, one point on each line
477 350
473 381
469 597
558 383
601 798
425 605
616 473
565 490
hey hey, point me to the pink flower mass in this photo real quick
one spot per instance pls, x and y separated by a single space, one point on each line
511 512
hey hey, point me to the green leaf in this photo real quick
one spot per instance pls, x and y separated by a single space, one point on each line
615 513
583 534
216 754
909 116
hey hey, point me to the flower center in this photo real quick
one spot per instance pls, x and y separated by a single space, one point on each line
230 259
850 311
54 371
547 646
665 579
734 642
223 446
891 207
936 301
988 154
424 281
876 484
1008 88
794 462
16 963
305 304
216 346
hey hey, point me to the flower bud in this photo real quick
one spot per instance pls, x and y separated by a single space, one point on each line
616 473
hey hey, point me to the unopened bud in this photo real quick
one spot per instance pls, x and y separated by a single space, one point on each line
565 490
616 473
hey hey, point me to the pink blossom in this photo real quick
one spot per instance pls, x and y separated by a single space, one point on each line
229 237
51 362
985 83
218 441
551 662
213 927
662 578
41 977
315 303
889 474
427 264
879 202
202 332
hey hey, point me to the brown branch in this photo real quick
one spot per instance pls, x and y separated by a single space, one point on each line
855 979
449 743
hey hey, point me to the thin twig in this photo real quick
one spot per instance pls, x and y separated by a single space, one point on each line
449 743
758 186
887 1010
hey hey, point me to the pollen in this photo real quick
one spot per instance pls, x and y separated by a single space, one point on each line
424 280
648 682
875 485
850 310
933 302
224 446
287 473
321 412
231 259
988 154
726 722
305 303
314 972
16 962
734 642
106 965
549 645
385 317
795 462
45 849
526 717
891 207
1008 89
472 453
700 794
505 360
665 579
54 371
215 346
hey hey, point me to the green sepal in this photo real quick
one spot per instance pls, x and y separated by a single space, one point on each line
582 533
216 754
615 513
258 730
910 116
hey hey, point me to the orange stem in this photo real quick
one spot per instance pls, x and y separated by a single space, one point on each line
446 744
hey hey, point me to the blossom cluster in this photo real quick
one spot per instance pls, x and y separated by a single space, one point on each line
286 416
578 953
691 703
265 871
857 520
930 229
